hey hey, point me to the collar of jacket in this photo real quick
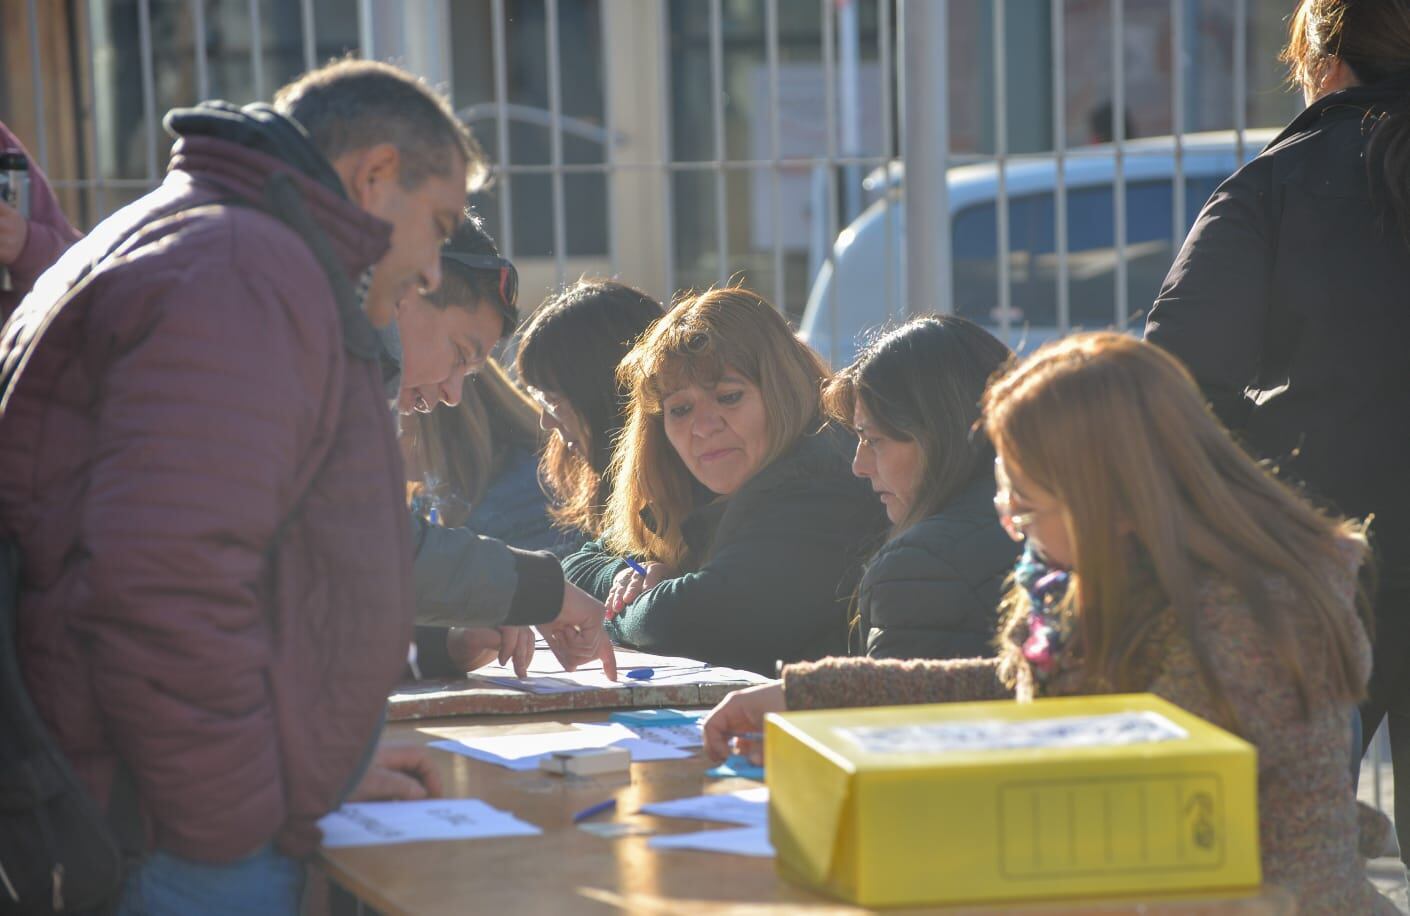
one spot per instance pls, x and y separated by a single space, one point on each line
814 456
358 239
1363 98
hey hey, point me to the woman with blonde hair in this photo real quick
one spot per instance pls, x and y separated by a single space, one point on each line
733 491
1159 557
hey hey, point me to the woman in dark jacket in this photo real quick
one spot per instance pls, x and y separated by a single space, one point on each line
732 492
1288 303
933 589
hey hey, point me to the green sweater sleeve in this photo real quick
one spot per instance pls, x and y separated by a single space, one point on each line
775 588
592 569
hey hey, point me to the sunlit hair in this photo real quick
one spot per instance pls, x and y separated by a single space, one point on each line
922 383
695 343
572 347
461 449
1373 39
1116 432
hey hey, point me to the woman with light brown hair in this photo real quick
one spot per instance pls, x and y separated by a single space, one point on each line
1159 557
1288 304
731 492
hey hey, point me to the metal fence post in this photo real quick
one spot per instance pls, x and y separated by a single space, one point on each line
925 145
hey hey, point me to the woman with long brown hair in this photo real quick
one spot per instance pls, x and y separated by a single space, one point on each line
1288 304
912 398
732 491
568 357
1159 557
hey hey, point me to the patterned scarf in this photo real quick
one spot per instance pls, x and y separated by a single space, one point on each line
1048 630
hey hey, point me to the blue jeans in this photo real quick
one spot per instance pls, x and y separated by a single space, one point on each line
262 883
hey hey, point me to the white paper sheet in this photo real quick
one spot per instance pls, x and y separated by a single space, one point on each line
749 807
547 677
523 752
741 841
381 823
995 734
674 735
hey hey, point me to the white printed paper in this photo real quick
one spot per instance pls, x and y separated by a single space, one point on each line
523 752
547 677
516 746
1110 730
686 735
749 807
381 823
741 841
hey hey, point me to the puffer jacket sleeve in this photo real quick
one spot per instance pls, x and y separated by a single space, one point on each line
1214 303
215 410
464 579
592 569
934 591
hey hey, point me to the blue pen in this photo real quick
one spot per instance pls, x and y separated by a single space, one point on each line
594 809
641 674
636 567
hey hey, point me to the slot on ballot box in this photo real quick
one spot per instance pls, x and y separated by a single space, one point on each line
968 803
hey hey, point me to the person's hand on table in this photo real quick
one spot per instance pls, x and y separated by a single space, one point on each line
629 585
399 772
474 648
730 725
576 635
14 232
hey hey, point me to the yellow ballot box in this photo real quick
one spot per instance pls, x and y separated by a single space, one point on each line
984 802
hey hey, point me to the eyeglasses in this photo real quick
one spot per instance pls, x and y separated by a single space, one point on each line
1015 523
549 404
508 281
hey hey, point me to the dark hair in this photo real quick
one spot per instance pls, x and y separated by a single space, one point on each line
573 346
923 382
351 104
468 287
1373 39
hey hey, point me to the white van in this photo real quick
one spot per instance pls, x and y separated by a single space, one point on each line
860 291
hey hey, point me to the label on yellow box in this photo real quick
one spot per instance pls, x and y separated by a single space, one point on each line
987 802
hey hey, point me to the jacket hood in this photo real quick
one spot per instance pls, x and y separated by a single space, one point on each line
241 149
257 127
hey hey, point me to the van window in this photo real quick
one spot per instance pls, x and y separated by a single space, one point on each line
1091 254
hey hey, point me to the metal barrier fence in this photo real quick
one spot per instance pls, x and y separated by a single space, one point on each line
904 68
858 56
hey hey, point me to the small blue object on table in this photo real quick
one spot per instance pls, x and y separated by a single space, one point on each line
737 765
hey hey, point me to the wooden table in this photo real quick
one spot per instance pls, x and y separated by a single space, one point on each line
567 870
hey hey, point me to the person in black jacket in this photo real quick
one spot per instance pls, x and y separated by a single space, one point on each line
1288 303
733 492
933 589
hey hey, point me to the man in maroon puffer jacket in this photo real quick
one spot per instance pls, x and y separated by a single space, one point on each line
198 465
